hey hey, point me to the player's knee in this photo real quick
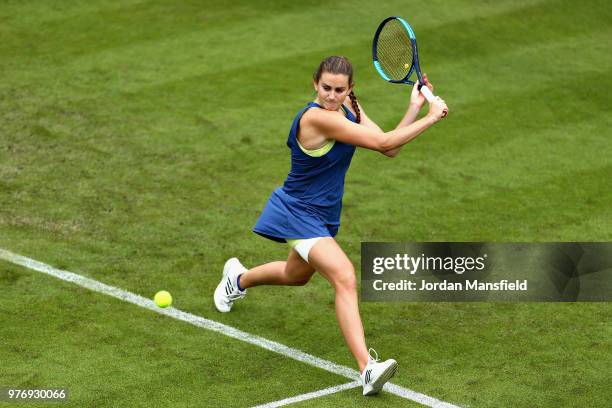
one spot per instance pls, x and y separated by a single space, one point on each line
349 282
344 279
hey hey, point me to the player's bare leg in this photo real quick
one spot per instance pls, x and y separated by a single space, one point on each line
329 259
294 272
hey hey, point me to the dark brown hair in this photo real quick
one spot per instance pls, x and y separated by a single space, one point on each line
339 65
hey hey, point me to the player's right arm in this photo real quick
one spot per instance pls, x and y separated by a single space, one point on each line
336 127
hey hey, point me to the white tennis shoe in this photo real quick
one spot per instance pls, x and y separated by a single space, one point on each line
376 374
227 290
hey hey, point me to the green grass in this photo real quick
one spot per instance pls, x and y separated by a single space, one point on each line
139 140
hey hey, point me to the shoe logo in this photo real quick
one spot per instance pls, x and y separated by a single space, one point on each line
229 288
367 376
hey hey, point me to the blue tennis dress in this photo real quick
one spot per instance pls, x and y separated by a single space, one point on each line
309 203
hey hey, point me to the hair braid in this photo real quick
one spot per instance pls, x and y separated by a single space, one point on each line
355 106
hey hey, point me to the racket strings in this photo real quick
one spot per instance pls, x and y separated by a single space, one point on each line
394 50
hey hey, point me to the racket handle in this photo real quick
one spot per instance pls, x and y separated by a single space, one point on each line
430 97
427 94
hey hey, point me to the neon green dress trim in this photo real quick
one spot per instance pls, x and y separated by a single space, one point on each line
321 151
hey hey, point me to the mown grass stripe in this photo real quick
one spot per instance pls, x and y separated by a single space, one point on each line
205 44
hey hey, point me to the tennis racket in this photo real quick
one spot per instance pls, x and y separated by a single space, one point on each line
394 51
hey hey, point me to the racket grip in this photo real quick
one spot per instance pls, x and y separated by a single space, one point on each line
430 97
427 94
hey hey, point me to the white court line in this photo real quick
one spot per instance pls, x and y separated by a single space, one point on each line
311 395
215 326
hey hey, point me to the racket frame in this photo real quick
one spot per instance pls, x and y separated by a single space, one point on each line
415 59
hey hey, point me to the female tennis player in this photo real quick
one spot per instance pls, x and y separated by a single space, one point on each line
305 212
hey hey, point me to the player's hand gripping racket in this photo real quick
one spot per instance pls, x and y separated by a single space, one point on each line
395 56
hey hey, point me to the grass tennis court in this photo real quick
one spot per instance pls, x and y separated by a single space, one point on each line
139 140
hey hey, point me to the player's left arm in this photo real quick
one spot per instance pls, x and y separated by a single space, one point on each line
417 100
366 121
369 123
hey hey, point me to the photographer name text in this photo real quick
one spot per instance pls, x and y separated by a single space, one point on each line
444 285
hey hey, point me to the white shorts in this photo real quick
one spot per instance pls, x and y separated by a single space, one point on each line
303 246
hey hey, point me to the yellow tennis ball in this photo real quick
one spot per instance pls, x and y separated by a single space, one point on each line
406 66
163 298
